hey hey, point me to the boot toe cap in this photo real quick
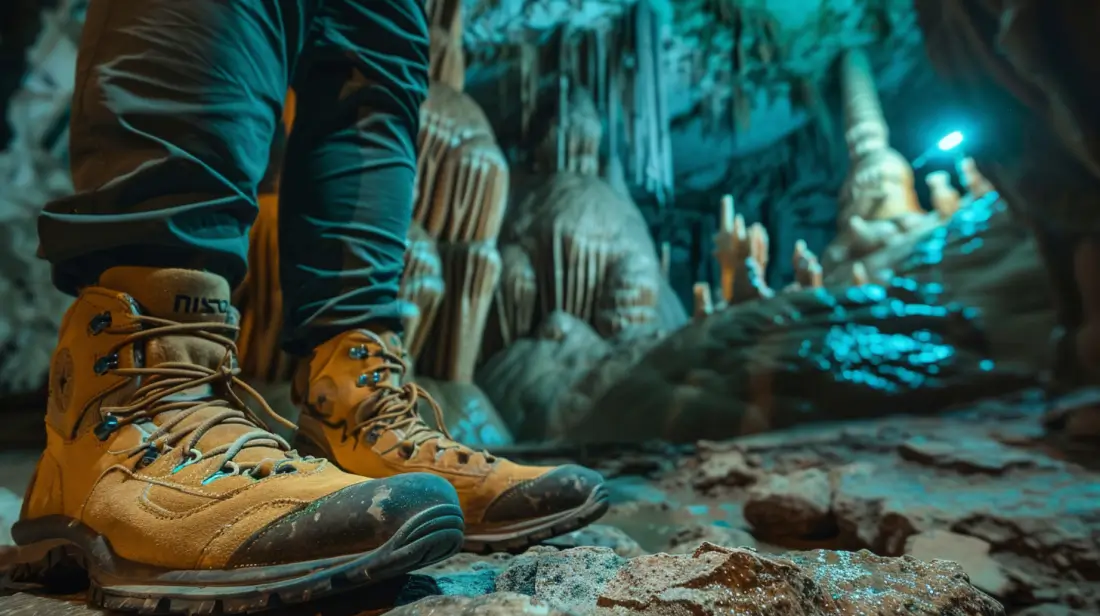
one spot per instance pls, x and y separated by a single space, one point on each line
560 489
353 520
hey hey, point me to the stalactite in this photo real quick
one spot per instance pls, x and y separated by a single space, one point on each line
742 106
664 119
643 33
529 85
614 101
601 57
563 111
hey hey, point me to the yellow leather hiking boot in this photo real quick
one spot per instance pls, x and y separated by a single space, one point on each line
358 412
158 480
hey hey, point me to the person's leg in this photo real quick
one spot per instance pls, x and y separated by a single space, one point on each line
172 118
346 208
346 197
155 468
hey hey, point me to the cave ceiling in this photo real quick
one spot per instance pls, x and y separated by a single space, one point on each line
742 76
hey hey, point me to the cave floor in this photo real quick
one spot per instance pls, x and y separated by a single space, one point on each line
985 486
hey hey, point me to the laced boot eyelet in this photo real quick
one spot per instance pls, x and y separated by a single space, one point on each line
359 352
149 456
366 380
192 457
99 323
406 450
106 363
106 427
229 469
285 468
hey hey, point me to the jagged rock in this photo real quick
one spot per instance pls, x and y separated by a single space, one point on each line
600 535
688 539
527 379
968 455
970 553
569 580
795 505
727 467
496 604
716 579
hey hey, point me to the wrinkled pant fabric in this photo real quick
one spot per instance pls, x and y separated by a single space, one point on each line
175 107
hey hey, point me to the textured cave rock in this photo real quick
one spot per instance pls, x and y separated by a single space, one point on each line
986 260
545 384
803 356
714 579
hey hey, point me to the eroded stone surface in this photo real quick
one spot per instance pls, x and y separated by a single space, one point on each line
797 505
570 580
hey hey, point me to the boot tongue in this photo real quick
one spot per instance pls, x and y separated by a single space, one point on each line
184 296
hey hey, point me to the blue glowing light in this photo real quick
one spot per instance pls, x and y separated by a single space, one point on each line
951 141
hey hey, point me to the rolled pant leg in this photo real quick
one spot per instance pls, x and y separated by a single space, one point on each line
347 189
174 110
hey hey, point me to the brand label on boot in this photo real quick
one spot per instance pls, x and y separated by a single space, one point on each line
189 304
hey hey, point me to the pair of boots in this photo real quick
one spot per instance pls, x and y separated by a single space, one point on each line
159 481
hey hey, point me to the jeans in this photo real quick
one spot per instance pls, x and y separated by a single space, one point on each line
175 108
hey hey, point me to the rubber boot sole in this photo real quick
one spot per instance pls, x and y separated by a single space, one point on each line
518 536
52 546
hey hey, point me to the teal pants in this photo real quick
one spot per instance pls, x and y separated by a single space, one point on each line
175 109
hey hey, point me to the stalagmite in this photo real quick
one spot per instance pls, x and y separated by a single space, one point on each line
758 245
880 182
448 60
730 246
704 307
859 274
462 192
591 250
976 184
472 270
807 271
462 174
945 199
879 185
572 140
513 312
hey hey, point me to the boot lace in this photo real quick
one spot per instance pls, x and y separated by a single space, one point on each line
396 407
167 379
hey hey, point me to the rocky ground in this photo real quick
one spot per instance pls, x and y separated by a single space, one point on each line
847 518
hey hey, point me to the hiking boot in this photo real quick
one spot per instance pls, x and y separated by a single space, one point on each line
160 481
358 412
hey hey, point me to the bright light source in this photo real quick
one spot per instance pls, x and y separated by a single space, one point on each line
951 141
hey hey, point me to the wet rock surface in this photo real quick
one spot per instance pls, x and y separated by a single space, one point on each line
958 514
